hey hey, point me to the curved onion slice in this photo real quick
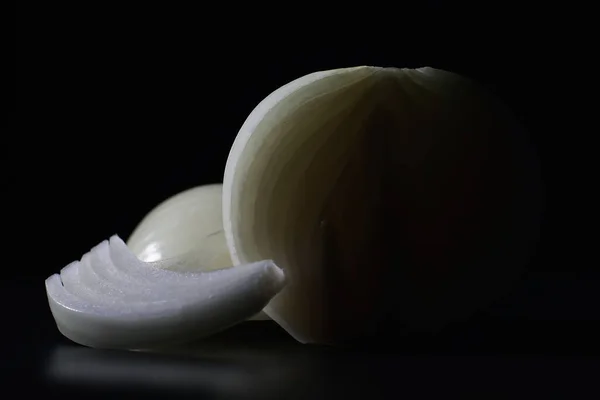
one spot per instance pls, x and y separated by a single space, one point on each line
111 299
111 269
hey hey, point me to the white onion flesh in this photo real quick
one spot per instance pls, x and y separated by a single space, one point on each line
111 299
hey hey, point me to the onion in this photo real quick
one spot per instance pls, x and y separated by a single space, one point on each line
392 198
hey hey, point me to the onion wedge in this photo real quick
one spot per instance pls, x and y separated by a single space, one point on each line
111 299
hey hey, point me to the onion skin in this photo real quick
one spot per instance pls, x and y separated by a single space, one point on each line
392 199
188 222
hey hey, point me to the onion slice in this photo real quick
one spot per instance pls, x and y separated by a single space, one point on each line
111 299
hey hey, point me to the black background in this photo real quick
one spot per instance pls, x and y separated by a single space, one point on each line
119 108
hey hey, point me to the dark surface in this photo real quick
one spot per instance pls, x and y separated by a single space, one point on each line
542 340
118 109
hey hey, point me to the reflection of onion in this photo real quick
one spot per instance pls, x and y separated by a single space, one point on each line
387 195
235 368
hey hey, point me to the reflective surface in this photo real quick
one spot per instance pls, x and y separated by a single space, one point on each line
225 368
542 341
257 361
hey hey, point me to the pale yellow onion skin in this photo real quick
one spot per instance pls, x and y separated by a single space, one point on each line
389 198
188 223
